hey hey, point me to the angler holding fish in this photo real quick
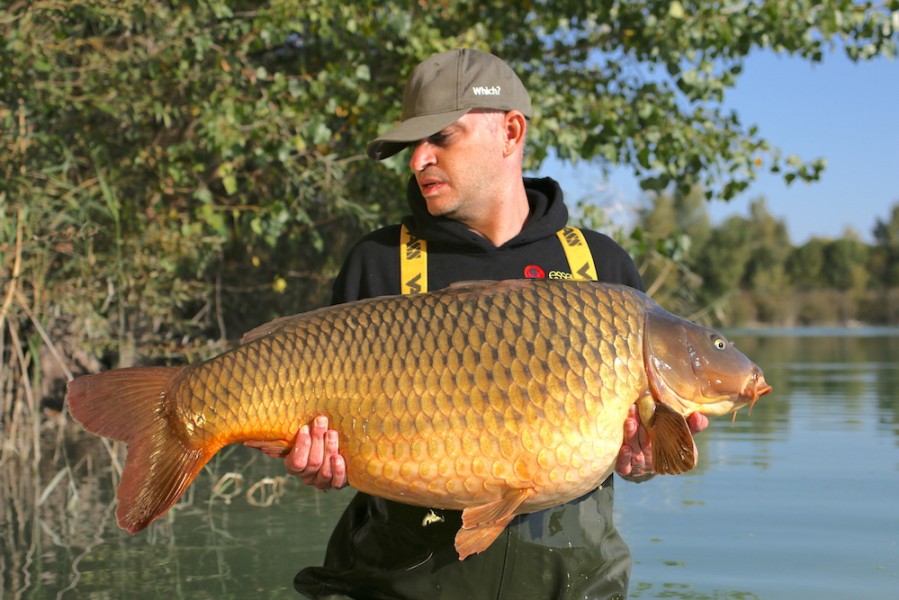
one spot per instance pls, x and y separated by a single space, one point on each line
479 422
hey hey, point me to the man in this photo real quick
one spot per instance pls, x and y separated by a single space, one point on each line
465 115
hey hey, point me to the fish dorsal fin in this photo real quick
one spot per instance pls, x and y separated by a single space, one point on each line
277 324
265 329
673 448
481 525
470 283
490 285
473 291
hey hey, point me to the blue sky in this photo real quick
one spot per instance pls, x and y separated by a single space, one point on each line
844 112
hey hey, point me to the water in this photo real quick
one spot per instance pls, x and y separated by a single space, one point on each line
798 500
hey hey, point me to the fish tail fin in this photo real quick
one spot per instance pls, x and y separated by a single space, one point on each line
130 405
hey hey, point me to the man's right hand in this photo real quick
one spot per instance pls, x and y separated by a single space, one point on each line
314 457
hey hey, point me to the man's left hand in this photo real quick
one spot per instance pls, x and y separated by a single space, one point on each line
635 457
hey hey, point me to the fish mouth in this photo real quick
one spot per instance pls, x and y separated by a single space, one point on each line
755 388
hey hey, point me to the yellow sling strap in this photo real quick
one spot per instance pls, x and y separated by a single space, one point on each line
580 259
414 259
413 263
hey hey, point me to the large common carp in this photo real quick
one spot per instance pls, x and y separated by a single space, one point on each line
495 398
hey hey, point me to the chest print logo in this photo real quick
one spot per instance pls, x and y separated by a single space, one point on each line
534 272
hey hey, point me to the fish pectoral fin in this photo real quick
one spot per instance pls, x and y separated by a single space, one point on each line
673 448
274 448
481 525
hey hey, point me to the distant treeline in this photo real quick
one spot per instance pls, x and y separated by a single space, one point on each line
746 271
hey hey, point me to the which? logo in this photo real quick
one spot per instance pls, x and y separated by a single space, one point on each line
484 90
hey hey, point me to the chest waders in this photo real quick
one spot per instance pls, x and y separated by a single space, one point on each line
384 550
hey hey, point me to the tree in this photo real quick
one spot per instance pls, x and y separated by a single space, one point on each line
885 254
641 83
722 264
845 261
685 212
805 265
766 269
181 171
673 231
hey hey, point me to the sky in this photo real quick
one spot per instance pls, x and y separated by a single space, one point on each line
844 112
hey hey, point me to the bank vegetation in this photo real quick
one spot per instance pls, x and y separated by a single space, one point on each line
173 174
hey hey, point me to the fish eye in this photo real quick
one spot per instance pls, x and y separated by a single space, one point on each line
719 343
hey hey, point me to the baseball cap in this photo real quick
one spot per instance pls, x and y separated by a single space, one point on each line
444 88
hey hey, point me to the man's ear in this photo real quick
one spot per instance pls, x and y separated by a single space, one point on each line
515 125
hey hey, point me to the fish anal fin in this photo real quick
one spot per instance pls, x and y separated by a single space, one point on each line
131 405
481 525
673 448
475 541
274 448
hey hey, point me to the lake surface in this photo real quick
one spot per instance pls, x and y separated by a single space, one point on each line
798 500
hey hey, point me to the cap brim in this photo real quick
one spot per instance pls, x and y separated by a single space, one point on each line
410 131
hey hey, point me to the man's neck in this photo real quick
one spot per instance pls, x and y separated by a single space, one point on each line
506 219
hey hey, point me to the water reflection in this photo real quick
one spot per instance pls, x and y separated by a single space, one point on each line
796 500
60 539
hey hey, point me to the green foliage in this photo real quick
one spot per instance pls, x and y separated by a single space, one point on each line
728 251
806 264
746 270
769 250
640 83
846 261
885 254
183 171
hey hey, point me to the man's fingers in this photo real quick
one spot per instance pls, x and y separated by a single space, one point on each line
330 447
317 448
697 422
630 428
308 450
338 472
298 457
623 465
635 456
315 457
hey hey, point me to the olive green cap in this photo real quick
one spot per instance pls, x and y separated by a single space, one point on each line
444 88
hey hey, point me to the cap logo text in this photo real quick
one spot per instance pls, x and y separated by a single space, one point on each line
483 90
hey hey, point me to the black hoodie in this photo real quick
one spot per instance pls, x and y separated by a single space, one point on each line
455 253
382 549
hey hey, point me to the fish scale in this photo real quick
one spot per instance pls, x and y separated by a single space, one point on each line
403 408
493 398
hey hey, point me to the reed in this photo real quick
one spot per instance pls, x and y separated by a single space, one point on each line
18 420
57 483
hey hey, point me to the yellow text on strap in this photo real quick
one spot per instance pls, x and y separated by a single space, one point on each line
578 253
413 263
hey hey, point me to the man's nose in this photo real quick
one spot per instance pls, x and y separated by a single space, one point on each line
422 156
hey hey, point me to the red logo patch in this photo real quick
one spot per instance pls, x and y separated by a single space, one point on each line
534 272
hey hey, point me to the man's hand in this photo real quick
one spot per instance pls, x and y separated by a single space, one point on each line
635 458
314 457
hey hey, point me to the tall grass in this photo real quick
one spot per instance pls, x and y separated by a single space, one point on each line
20 422
66 310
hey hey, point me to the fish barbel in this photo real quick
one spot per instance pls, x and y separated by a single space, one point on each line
494 398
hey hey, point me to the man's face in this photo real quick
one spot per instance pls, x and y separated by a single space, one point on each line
456 168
